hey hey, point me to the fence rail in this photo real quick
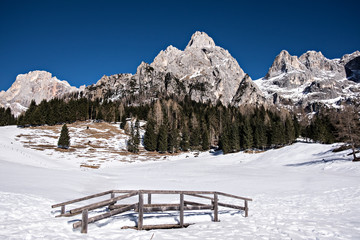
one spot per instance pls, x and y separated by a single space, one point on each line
141 208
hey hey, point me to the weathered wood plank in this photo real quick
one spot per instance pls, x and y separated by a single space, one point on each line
103 203
182 210
84 221
160 226
174 192
175 208
63 209
106 215
146 206
233 196
246 209
200 196
216 209
117 206
231 206
124 191
193 203
141 212
81 199
149 198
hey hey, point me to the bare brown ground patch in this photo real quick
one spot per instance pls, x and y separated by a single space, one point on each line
90 142
97 166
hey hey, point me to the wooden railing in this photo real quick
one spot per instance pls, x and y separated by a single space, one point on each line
142 208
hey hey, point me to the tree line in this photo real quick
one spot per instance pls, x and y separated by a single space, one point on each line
182 124
188 125
6 117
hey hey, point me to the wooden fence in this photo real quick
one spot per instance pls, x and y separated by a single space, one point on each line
114 208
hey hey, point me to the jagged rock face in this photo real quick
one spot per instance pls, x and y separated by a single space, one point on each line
248 93
203 71
37 85
352 69
208 72
311 78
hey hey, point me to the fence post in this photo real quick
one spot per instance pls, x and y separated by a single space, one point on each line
246 209
63 209
182 210
84 221
141 211
216 209
112 196
149 198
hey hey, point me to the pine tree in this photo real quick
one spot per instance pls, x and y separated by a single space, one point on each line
289 131
173 142
205 141
225 141
234 138
137 137
195 138
150 138
162 144
184 144
246 134
134 140
64 139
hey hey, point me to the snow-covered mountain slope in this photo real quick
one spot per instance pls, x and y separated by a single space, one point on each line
37 85
312 78
303 191
203 71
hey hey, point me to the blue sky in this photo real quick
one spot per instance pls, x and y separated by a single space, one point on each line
79 41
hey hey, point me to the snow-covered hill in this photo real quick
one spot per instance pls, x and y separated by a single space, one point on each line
303 191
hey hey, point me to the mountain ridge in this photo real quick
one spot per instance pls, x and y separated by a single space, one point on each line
311 79
208 73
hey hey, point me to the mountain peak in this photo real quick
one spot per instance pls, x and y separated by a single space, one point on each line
200 40
37 85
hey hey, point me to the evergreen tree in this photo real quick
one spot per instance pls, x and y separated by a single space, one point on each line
289 131
205 141
260 135
195 138
150 138
137 135
184 144
246 134
296 126
173 142
64 139
234 138
224 141
162 144
134 140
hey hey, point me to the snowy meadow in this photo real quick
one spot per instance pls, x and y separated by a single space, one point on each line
302 191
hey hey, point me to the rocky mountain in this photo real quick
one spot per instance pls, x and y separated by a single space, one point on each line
37 85
203 71
208 73
312 80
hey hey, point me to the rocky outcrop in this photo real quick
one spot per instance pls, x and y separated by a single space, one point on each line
311 78
203 71
37 85
352 69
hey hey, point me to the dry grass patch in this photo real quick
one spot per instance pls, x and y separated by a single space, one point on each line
90 166
65 150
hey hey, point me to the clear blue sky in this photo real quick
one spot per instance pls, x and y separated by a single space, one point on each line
79 41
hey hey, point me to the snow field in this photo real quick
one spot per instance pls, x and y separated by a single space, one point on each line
303 191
